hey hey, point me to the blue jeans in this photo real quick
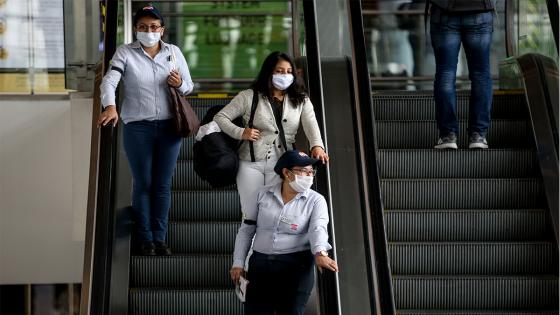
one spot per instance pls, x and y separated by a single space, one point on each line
152 149
279 284
447 32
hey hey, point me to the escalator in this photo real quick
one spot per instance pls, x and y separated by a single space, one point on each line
468 230
202 227
472 231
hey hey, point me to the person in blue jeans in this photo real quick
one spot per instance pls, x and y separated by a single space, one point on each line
147 67
470 23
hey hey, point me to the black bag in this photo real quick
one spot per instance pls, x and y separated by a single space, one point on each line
215 156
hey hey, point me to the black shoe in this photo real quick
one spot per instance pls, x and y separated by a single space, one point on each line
162 249
148 249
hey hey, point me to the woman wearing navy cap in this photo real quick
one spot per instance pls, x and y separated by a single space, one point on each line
146 68
287 226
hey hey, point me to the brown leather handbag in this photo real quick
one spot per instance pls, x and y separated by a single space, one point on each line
186 120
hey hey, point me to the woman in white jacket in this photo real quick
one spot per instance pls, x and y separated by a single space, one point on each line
282 106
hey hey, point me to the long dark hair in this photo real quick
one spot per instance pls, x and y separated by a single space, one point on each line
263 82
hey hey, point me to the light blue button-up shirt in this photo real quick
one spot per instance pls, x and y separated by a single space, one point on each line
146 95
300 224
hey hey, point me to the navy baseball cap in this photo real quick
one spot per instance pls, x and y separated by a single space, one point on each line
294 158
148 10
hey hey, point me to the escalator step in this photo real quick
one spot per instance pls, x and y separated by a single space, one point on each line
202 237
422 134
457 163
414 105
184 302
476 292
184 271
475 312
205 205
186 152
185 178
466 225
462 193
416 258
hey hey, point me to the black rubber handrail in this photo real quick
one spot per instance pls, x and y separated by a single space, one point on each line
108 274
540 78
326 282
383 298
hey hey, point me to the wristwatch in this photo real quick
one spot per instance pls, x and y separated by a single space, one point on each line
322 253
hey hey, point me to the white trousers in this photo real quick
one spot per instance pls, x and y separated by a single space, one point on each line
252 176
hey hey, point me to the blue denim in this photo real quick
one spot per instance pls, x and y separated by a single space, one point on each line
279 284
152 148
447 32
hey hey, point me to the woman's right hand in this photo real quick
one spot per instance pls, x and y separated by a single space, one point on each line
250 134
236 273
109 115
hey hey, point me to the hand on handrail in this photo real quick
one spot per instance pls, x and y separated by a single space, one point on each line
109 115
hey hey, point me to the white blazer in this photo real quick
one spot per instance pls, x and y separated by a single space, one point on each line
240 106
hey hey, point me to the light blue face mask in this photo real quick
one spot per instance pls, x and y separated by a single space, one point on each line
282 81
148 39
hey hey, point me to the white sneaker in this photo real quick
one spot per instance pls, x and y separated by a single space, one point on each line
447 142
477 141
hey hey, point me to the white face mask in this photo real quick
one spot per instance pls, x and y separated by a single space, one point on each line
282 81
148 39
301 183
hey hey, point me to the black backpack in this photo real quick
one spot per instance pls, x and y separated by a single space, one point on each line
215 155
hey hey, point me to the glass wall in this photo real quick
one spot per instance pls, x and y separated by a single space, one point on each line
31 46
224 42
400 54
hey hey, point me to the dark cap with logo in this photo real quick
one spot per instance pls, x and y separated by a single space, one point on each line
148 10
294 158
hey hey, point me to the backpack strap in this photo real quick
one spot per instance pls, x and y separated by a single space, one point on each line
251 118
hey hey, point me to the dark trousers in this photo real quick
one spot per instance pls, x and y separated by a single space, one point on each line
279 284
152 149
474 32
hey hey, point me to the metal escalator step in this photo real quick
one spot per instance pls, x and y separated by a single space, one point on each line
431 163
186 152
466 225
181 271
420 105
202 237
219 205
476 292
413 258
185 178
476 312
184 302
462 193
423 134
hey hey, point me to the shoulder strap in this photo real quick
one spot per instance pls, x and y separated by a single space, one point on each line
251 118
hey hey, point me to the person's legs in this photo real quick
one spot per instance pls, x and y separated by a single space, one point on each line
250 178
260 297
166 151
138 142
446 42
301 277
477 40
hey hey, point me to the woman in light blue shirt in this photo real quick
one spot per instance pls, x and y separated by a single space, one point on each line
289 225
146 68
